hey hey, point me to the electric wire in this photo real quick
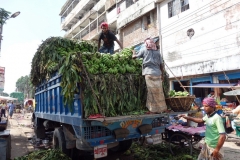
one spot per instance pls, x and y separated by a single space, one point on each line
194 12
202 19
210 41
201 35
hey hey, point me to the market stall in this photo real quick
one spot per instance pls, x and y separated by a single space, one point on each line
7 98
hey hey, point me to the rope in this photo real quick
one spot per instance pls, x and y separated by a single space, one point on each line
179 82
226 77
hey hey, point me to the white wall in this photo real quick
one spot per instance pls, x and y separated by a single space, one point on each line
135 11
215 44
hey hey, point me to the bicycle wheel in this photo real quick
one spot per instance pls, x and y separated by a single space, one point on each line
180 144
197 143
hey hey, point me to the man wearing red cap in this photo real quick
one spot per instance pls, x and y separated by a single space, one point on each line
215 132
108 40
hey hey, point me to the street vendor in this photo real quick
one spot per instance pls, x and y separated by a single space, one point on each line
215 133
108 40
152 69
236 114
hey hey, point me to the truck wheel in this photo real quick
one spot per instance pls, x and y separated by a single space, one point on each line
59 141
123 146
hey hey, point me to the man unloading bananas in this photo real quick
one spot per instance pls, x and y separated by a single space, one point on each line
108 40
152 69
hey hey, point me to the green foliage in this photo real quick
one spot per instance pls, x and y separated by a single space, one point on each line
173 93
4 15
116 85
159 152
25 86
18 95
4 94
50 154
60 55
120 94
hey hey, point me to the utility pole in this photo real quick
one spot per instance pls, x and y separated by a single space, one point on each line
4 17
1 28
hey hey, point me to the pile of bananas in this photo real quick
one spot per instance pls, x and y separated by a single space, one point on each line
117 82
119 63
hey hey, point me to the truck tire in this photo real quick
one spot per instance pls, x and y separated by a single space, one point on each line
39 129
123 146
59 141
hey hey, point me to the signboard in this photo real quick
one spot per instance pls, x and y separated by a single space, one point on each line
2 78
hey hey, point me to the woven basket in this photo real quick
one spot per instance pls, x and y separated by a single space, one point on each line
180 104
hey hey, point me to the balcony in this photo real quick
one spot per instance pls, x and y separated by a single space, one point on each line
77 13
90 16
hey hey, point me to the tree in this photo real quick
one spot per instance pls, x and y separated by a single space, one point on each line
4 15
5 94
25 86
18 95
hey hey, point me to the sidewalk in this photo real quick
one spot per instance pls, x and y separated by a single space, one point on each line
20 130
232 149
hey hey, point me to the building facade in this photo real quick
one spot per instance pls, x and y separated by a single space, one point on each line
200 41
131 21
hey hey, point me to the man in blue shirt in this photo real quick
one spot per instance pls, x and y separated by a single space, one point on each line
11 109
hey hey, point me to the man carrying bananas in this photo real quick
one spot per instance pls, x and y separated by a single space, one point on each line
152 69
108 40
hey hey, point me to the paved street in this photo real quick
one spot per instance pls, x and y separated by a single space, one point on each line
20 129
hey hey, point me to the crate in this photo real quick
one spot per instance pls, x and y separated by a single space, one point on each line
180 104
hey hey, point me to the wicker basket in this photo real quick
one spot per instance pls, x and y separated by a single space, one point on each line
180 104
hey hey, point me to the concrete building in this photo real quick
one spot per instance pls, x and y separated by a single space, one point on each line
130 20
199 39
201 42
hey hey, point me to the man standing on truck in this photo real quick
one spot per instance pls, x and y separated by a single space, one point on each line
108 40
215 133
152 69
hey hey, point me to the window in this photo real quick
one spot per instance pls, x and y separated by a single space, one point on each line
177 6
129 3
148 19
184 5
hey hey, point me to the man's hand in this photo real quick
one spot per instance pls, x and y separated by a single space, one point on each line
183 116
134 54
215 154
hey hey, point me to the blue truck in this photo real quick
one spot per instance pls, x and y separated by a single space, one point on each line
72 131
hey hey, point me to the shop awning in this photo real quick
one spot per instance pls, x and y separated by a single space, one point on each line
232 93
215 85
7 98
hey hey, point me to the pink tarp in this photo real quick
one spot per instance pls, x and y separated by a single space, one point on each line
190 130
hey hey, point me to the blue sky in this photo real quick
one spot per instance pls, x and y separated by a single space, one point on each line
39 19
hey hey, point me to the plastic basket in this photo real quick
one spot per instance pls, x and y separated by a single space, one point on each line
238 131
180 104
